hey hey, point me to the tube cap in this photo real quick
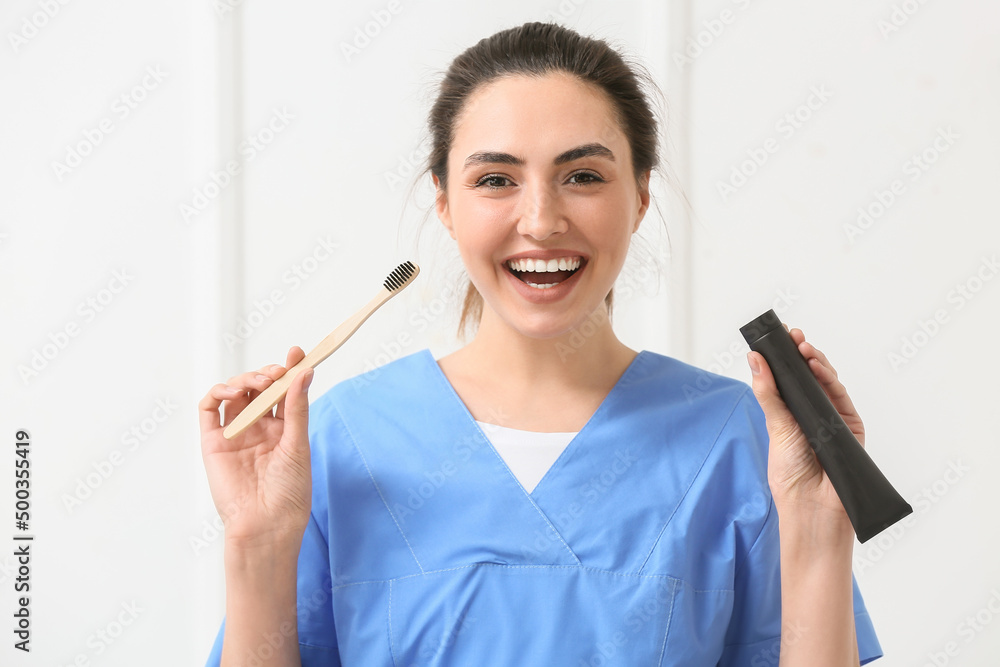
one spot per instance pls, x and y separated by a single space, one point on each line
756 328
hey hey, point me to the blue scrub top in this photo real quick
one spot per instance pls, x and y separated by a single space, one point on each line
652 540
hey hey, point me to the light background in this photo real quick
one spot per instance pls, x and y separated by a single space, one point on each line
894 76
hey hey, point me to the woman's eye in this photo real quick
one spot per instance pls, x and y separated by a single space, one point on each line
492 181
588 177
498 182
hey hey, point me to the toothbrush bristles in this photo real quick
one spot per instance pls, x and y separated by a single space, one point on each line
399 276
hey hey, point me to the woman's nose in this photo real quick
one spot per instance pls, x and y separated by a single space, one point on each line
541 214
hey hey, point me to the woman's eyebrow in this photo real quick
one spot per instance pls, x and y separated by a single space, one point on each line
496 157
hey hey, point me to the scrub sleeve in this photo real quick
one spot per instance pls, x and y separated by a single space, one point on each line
753 635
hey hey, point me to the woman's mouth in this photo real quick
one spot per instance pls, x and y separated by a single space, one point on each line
542 273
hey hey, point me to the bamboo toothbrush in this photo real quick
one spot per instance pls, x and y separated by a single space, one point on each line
401 276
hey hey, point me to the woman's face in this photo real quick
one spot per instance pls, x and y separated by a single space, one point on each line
540 169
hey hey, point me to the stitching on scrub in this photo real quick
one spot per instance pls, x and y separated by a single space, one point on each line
468 416
510 566
756 539
326 542
763 524
759 641
666 633
622 381
696 475
392 654
714 590
322 648
375 484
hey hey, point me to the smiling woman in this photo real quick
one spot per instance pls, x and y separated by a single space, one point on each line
509 504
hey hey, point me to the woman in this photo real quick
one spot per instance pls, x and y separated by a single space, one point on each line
397 522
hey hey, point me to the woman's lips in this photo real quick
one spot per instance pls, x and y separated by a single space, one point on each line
561 269
541 295
542 278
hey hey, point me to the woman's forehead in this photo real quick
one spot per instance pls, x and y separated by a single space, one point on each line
555 92
546 115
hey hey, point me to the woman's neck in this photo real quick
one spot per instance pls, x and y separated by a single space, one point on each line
541 384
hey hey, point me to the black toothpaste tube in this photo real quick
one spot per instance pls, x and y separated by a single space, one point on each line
872 504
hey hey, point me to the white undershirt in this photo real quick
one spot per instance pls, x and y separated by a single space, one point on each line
528 454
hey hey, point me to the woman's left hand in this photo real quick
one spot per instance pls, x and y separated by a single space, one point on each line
793 472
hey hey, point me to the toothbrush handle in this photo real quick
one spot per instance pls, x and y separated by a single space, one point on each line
276 391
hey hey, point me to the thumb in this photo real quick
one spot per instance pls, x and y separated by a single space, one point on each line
780 421
296 427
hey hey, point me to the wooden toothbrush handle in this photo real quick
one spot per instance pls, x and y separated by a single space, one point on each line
268 398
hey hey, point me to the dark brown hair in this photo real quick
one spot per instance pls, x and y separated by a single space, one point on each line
536 49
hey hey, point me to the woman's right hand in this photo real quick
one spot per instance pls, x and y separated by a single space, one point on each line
261 480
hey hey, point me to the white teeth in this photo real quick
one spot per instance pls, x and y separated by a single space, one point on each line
545 286
543 266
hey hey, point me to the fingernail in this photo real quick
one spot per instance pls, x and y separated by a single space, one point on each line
229 389
274 367
754 364
308 378
261 376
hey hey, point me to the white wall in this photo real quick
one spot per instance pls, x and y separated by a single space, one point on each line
858 294
324 179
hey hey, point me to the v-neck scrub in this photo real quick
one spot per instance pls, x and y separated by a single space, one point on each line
528 454
652 539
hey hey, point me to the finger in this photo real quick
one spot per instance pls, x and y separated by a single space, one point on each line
833 387
208 406
250 385
779 419
296 413
808 350
826 374
295 355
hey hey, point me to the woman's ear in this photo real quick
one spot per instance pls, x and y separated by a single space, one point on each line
441 205
643 193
